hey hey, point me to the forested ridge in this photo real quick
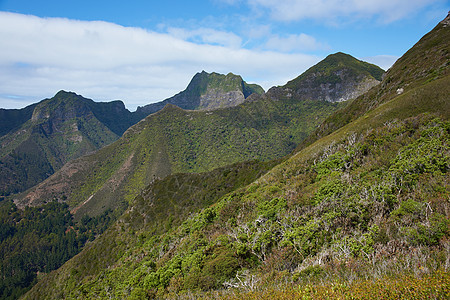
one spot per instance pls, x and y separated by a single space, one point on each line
37 240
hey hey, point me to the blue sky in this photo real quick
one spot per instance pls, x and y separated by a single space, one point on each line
145 51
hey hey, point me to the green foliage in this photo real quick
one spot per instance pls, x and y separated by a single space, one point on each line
309 272
408 207
336 162
270 209
38 240
358 214
329 189
306 239
431 233
428 154
56 131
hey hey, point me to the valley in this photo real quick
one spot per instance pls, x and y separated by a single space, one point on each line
333 185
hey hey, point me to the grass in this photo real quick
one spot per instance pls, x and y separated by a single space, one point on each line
429 286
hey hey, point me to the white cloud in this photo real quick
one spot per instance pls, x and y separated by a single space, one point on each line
207 36
294 42
329 11
105 61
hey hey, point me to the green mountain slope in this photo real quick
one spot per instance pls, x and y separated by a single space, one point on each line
53 132
208 91
339 77
174 140
26 235
366 202
425 62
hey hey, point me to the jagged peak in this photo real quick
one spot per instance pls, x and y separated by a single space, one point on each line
65 93
335 62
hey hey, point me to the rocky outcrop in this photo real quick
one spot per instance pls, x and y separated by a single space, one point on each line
446 21
215 98
339 77
208 91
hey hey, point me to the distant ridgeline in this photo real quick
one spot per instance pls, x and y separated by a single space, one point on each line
360 210
97 157
39 139
208 91
173 140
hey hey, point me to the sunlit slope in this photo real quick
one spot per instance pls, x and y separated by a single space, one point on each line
174 140
369 200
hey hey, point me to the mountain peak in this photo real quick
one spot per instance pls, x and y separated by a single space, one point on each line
208 91
64 105
338 77
63 93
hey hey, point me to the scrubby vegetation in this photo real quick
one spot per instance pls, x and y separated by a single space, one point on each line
344 215
361 210
370 207
178 141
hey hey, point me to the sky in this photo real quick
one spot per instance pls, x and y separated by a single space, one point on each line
144 51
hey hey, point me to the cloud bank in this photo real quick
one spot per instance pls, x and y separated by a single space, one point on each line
105 61
335 11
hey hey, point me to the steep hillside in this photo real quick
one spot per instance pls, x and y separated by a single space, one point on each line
11 119
339 77
26 236
208 91
53 132
368 202
174 140
427 61
360 213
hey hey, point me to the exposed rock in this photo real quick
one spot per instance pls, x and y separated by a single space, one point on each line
339 77
446 21
208 91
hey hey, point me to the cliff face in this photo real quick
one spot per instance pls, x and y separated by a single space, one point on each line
345 86
339 77
208 91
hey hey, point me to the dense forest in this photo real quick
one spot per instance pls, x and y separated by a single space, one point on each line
37 240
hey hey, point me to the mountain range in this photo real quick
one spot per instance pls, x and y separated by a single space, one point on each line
208 91
38 140
293 193
174 140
